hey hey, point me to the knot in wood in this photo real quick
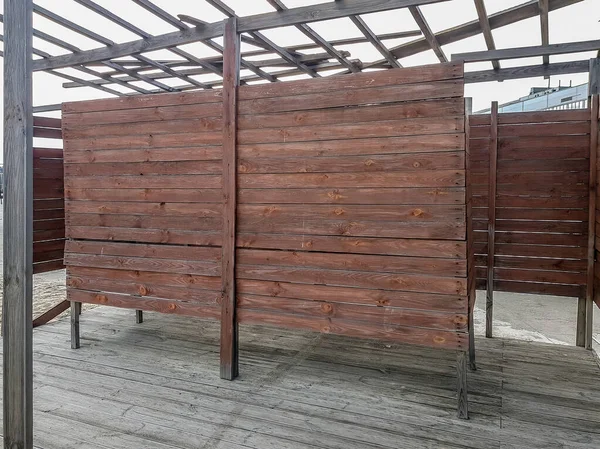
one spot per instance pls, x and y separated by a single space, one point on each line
308 244
460 319
172 306
102 299
143 290
326 329
334 195
417 212
327 308
369 162
439 340
339 211
416 164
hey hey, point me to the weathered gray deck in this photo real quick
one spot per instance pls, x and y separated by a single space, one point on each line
156 385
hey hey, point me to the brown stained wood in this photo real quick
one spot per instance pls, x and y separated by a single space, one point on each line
151 235
593 193
524 118
352 97
229 352
353 262
409 195
347 164
198 210
150 182
50 265
563 227
531 263
163 168
375 315
539 288
371 113
47 133
353 245
166 223
144 250
410 335
189 196
337 294
51 313
149 140
437 178
389 128
151 305
49 153
493 170
532 275
169 154
361 279
356 147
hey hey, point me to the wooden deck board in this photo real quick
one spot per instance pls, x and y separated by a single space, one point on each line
156 385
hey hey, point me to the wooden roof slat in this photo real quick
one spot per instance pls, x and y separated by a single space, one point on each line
372 38
486 29
260 37
545 26
558 68
293 16
315 37
427 33
527 52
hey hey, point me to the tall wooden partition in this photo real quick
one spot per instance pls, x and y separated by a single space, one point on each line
342 206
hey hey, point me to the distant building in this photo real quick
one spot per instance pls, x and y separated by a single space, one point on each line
548 99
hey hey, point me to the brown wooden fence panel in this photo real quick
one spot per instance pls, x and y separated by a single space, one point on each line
48 199
541 201
143 202
352 206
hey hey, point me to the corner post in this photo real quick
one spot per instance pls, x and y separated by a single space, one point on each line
471 275
139 316
229 326
461 371
493 170
18 225
75 334
593 191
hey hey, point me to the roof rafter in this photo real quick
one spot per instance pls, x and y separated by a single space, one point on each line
486 29
372 38
427 33
545 26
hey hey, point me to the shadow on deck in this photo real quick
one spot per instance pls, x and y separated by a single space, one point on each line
157 385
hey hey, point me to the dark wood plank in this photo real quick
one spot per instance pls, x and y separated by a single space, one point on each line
493 170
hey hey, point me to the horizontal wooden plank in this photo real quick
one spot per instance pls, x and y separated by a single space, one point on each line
147 140
557 165
46 256
385 281
163 168
187 281
54 153
49 246
566 191
167 223
347 164
150 235
190 125
427 178
203 268
48 204
517 202
573 291
381 316
554 252
73 109
46 225
439 195
540 142
353 262
45 267
531 130
147 195
336 244
52 234
146 290
177 252
47 133
336 294
533 214
48 214
369 113
546 227
412 335
394 213
530 275
407 229
390 128
513 118
526 178
142 182
533 238
170 154
410 75
47 122
196 210
357 147
139 303
533 263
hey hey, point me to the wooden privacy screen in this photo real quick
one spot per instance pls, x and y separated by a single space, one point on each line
143 202
352 211
541 204
48 199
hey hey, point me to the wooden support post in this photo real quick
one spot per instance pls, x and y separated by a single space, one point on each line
489 300
461 371
581 323
139 316
229 326
593 191
75 312
18 225
471 281
594 83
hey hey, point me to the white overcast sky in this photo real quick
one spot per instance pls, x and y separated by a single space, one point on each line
574 23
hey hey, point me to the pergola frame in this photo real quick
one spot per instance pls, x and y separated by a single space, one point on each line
129 64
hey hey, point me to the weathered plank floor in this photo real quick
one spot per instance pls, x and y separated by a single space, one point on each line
156 385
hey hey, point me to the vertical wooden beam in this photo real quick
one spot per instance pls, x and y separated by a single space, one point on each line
581 322
593 191
471 281
75 335
139 316
594 83
229 326
489 300
18 225
461 371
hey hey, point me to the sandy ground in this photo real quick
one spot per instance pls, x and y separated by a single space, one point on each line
529 317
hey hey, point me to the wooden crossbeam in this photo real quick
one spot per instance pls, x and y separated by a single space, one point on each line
486 29
513 73
293 16
527 52
427 33
374 40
